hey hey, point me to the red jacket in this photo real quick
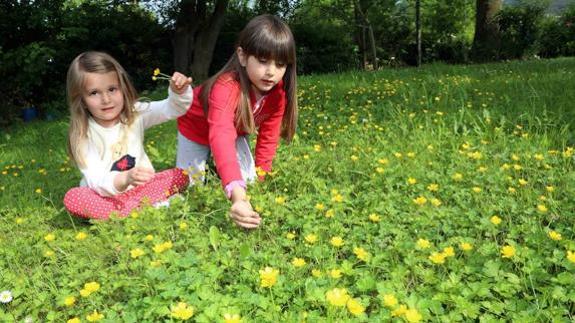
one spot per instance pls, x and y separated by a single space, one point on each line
218 130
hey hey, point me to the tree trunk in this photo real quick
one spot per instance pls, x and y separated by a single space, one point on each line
418 30
363 22
195 36
486 41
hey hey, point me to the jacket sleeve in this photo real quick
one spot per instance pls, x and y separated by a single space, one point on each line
222 132
157 112
268 137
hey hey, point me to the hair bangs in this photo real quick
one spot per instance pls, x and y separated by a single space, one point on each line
272 43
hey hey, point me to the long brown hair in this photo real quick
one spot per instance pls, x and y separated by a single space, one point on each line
268 37
92 62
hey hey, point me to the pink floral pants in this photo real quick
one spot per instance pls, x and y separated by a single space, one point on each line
86 203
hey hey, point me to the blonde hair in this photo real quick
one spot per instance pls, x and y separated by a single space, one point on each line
265 36
92 62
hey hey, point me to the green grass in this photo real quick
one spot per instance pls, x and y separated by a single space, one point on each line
495 140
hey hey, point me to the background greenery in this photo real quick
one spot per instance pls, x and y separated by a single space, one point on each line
363 139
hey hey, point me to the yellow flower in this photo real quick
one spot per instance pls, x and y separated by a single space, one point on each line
135 253
338 198
183 226
399 311
411 181
550 189
81 236
280 200
420 200
70 300
20 220
290 235
423 243
465 246
412 315
507 251
48 253
156 72
542 208
268 277
337 297
433 187
397 155
411 154
49 237
319 206
232 318
361 253
389 300
554 235
316 273
155 263
522 182
448 252
182 311
329 213
159 248
336 241
38 191
317 148
379 170
73 320
383 161
355 307
495 220
298 262
94 317
571 256
457 177
437 258
149 237
354 158
511 189
374 217
311 238
335 273
435 202
476 189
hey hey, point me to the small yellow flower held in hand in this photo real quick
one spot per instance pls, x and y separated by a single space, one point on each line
554 235
268 277
507 251
182 311
157 75
337 297
389 300
355 307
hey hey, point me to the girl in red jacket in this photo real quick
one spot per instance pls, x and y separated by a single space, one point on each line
255 90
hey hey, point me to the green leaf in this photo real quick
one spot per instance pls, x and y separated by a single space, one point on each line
214 237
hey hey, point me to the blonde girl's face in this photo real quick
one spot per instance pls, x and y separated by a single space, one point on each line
103 97
263 73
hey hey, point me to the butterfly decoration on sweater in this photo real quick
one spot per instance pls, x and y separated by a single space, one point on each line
125 163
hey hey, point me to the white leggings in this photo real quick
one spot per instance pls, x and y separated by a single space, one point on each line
192 157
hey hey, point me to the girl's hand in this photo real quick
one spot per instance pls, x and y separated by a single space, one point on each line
179 82
243 215
139 175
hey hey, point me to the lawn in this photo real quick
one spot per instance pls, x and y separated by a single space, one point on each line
444 193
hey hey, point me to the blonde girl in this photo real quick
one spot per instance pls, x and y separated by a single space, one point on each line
254 91
106 138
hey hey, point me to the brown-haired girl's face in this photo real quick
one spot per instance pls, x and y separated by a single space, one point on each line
103 97
263 73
